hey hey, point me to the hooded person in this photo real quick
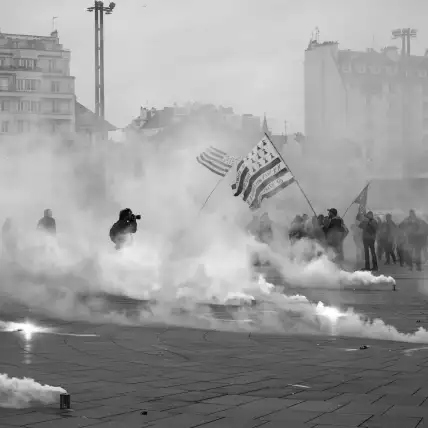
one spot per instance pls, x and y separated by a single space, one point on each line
47 223
121 232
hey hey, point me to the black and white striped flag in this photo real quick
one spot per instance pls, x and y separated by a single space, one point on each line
261 174
216 161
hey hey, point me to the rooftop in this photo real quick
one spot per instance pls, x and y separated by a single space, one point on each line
86 119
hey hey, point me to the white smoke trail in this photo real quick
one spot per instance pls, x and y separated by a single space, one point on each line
20 393
285 314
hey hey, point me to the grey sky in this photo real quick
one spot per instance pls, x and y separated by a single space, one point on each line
247 54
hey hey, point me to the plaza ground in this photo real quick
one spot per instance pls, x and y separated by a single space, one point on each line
162 377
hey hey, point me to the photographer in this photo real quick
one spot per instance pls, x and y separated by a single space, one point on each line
120 232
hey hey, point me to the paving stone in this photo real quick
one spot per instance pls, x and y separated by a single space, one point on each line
364 409
315 406
391 422
334 418
232 400
28 419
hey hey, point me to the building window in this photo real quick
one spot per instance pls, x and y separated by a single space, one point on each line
26 63
35 106
4 84
5 126
392 89
26 84
4 105
20 126
56 106
55 86
24 106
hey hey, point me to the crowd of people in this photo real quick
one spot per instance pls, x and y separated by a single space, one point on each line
374 238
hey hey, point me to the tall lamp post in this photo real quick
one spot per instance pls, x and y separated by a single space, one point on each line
99 10
405 34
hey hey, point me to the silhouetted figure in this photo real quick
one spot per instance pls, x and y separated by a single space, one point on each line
47 223
336 232
9 238
370 227
387 237
416 230
121 232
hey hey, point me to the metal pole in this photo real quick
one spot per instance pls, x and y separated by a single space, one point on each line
97 62
102 106
408 41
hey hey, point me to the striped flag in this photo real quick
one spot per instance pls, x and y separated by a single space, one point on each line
261 174
216 161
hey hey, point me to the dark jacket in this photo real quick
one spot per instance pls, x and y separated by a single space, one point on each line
387 231
335 231
121 229
415 229
370 228
47 224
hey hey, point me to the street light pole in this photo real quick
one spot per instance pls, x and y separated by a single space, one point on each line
99 10
405 34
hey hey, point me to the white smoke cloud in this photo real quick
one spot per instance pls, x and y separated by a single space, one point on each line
20 393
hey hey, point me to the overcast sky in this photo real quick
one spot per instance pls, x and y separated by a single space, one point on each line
247 54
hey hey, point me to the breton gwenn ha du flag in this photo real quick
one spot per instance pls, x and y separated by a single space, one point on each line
261 174
361 200
216 161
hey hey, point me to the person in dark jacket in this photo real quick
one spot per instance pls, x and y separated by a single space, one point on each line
387 236
47 223
121 232
369 226
335 232
416 230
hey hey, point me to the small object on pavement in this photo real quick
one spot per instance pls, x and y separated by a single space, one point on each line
364 347
418 320
144 412
64 401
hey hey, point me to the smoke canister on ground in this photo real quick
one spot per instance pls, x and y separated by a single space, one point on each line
64 401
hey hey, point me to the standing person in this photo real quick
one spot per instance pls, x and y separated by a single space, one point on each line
47 223
388 233
380 243
9 238
402 246
369 227
335 232
265 231
416 230
357 235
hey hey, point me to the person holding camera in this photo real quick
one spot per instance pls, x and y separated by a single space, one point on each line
121 232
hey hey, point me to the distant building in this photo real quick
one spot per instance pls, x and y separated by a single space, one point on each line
36 90
89 126
378 100
152 121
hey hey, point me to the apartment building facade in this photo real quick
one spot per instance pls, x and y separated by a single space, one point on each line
37 93
378 100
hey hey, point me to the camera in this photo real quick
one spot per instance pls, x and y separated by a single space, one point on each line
135 217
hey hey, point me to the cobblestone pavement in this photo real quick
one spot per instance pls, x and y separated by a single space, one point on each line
181 378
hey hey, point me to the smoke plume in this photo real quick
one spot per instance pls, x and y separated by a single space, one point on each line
19 393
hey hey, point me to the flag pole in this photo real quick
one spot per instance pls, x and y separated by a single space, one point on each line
209 196
295 179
